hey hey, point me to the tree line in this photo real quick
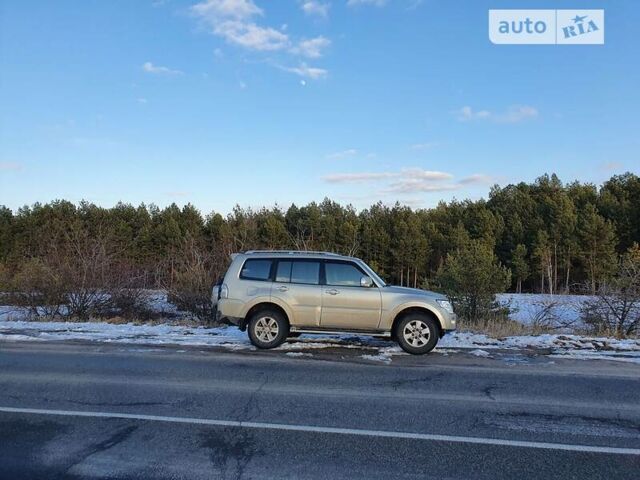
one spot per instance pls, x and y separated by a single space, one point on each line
545 236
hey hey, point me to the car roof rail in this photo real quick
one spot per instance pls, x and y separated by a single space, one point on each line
294 252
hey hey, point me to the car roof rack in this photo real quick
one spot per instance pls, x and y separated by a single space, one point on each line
293 252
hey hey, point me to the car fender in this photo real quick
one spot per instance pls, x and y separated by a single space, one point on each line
268 299
413 303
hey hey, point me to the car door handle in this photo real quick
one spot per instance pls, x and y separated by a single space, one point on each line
283 288
333 291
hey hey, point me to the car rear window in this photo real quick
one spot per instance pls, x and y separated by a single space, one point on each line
305 272
256 270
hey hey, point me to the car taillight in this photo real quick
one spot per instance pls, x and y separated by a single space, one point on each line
224 291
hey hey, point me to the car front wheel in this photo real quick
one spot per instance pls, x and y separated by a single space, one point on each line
268 329
417 333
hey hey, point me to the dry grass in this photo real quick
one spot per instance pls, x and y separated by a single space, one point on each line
497 328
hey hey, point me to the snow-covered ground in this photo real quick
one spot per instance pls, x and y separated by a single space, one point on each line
561 311
565 346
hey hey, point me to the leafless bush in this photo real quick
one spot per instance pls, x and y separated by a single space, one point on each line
194 271
38 288
615 310
78 279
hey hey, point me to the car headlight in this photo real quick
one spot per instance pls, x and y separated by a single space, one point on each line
446 305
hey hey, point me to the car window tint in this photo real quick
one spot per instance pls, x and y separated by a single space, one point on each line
283 273
256 270
343 274
305 272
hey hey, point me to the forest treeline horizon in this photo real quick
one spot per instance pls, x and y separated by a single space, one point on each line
553 237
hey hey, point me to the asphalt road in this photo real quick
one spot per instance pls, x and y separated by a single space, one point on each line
88 411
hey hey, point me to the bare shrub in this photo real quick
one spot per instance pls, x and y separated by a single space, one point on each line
38 288
615 310
194 270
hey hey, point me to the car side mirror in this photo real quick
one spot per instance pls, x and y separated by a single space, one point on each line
366 281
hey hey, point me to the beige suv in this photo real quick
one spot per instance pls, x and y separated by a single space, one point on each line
280 294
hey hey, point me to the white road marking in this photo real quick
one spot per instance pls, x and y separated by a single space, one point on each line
330 430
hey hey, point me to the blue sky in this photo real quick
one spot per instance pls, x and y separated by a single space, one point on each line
257 102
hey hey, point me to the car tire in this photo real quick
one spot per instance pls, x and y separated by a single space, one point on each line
268 328
417 333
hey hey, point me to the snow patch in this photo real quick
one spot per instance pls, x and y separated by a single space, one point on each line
480 353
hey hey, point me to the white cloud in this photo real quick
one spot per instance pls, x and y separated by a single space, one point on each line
356 3
420 174
477 178
251 36
311 48
141 100
158 70
411 180
215 10
304 70
342 154
513 114
357 177
312 7
413 185
233 20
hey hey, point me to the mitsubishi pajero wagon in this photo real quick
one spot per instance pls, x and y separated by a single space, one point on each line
279 294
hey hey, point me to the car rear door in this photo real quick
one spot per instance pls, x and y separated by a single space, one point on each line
297 284
346 304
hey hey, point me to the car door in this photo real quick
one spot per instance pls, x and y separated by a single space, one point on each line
345 303
297 283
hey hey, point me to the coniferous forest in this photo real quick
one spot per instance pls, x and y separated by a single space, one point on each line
546 236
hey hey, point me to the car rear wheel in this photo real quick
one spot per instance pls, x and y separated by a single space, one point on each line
417 333
268 328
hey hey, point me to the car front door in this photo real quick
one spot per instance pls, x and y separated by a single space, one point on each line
297 284
345 303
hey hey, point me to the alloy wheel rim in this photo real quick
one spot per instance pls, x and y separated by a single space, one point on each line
266 329
416 333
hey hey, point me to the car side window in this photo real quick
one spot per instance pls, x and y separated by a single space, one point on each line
342 274
305 272
283 274
256 270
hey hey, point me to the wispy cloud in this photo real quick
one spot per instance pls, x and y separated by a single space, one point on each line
312 7
239 22
477 179
306 71
513 114
159 70
357 177
311 48
342 154
214 10
235 22
411 180
10 167
252 36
